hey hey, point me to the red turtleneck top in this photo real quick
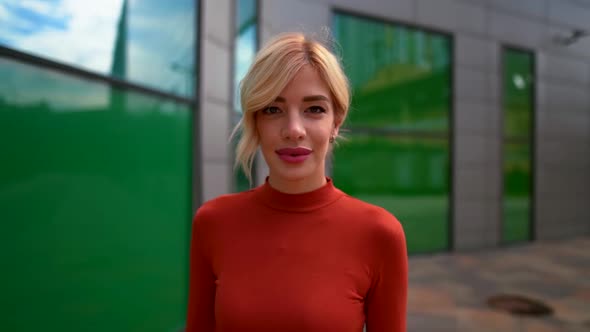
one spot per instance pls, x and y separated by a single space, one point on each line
321 261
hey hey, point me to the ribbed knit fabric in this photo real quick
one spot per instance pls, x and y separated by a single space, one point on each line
321 261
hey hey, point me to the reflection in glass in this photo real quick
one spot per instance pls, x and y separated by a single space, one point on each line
149 42
400 76
516 192
403 175
397 154
94 198
517 94
246 44
518 111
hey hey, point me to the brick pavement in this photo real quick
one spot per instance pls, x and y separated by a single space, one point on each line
448 292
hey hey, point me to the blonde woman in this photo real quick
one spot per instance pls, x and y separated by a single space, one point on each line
296 253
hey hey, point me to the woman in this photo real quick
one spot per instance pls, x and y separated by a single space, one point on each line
295 254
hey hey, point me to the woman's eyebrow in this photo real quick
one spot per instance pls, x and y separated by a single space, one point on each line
280 99
315 98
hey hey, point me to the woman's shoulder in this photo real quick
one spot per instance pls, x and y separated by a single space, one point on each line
223 205
379 227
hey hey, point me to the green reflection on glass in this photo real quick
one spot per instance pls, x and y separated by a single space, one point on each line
95 205
400 76
150 42
245 50
518 110
401 81
241 182
518 87
517 176
406 176
245 43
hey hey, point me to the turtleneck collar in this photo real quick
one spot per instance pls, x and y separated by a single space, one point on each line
304 202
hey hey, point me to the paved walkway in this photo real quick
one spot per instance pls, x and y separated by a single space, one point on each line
449 292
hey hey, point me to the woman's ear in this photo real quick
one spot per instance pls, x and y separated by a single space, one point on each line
337 123
335 131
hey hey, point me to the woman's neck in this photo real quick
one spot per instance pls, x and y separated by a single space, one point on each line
297 186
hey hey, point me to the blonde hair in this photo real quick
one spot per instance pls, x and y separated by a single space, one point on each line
273 68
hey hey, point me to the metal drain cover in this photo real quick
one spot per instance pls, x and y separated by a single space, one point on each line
519 305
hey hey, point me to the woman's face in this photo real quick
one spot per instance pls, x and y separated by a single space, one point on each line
296 128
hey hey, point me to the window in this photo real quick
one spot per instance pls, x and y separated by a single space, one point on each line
96 113
245 48
397 152
95 188
518 105
128 40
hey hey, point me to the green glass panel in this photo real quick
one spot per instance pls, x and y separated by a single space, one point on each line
518 111
518 92
408 177
150 42
95 205
400 76
246 43
241 182
517 176
517 169
398 155
245 16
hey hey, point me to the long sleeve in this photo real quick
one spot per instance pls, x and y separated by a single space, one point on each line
201 299
387 301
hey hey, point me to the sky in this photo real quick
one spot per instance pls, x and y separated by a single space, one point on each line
82 33
64 30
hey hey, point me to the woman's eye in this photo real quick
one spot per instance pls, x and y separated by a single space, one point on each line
316 110
271 110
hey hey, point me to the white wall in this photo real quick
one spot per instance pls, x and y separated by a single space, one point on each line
215 96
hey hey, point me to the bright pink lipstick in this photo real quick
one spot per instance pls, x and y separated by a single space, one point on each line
293 155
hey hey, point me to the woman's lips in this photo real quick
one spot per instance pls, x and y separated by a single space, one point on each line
294 155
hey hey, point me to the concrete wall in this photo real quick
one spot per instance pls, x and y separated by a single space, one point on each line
480 28
215 97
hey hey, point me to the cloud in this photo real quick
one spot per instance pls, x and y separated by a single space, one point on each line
44 8
87 40
3 13
160 37
13 26
162 57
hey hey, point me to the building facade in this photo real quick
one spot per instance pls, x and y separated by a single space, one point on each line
477 112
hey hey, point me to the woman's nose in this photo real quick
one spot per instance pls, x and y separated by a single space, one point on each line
293 128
